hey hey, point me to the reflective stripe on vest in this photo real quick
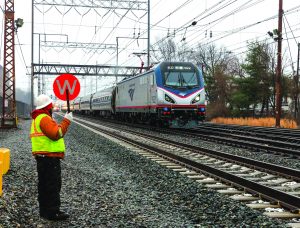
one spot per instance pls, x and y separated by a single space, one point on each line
40 142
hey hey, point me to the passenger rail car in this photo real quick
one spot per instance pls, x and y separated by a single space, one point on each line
101 102
170 94
85 104
76 105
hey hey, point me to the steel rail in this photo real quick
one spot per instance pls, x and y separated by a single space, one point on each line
262 134
282 131
255 145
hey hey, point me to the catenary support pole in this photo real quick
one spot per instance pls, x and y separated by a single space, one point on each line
9 114
32 44
148 48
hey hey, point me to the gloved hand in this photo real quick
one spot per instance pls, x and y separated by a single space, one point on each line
69 116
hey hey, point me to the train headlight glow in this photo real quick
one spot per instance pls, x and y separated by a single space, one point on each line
169 99
196 99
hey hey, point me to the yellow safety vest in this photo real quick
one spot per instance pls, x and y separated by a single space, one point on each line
40 142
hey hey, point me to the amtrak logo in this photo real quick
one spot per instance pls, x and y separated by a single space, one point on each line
182 94
131 92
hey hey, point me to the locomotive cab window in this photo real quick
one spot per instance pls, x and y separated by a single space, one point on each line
180 77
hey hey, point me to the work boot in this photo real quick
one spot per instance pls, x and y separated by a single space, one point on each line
60 215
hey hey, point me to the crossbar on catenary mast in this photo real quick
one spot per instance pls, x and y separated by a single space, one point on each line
85 70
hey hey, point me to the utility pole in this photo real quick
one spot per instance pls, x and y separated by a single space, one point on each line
278 69
297 85
117 64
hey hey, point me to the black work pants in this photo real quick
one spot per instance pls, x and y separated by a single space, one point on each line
49 184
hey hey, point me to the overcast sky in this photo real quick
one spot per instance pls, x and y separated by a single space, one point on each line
228 23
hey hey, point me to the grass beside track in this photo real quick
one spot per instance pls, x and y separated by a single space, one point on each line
260 122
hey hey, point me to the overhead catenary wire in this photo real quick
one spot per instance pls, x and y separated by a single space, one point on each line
288 11
252 39
288 46
221 18
183 27
22 54
109 34
186 2
113 28
79 27
293 10
233 31
284 15
194 17
219 6
176 30
180 29
151 26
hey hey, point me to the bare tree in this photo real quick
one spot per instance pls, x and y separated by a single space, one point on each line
219 66
167 50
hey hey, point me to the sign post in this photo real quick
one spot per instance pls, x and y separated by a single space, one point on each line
68 100
66 87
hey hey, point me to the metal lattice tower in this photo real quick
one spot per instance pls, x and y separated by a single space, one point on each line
9 99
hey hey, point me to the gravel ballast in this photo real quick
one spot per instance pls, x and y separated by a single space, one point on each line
106 185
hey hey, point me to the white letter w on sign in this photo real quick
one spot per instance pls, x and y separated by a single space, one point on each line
66 84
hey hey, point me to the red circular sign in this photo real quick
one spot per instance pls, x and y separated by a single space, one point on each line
66 82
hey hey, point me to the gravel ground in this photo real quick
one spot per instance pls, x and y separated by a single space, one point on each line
105 185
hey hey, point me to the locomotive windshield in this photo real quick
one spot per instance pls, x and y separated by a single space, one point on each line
180 77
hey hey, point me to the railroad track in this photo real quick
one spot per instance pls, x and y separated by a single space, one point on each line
261 142
272 134
267 185
288 134
258 142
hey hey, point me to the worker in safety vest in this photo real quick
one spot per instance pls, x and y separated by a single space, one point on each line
48 148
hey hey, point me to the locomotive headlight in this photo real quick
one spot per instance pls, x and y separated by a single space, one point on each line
196 99
169 99
202 109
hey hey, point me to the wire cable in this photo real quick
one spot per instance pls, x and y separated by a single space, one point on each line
288 46
220 19
221 4
109 34
233 31
290 28
22 54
